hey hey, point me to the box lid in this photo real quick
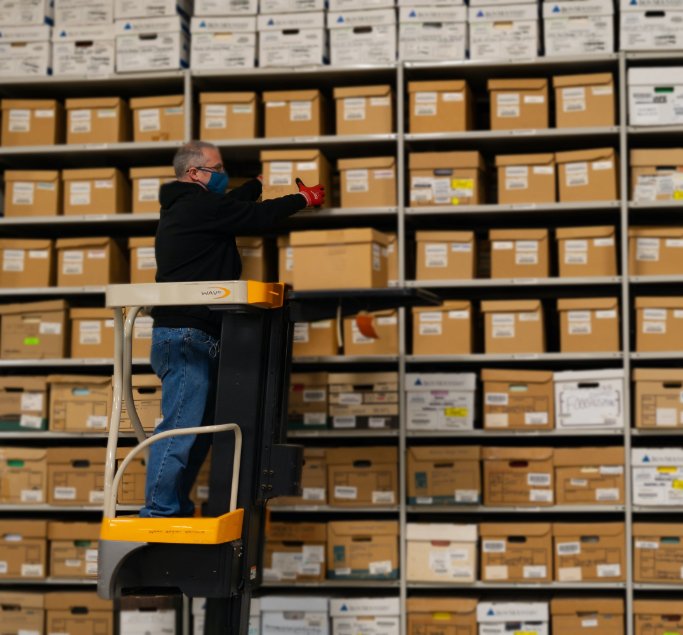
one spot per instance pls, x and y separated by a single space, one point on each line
362 528
441 531
664 76
28 104
249 241
516 454
227 98
22 600
578 304
373 455
433 14
504 13
657 456
517 84
163 171
91 314
23 243
589 375
372 162
362 378
70 243
89 174
44 176
657 607
510 306
366 17
27 454
518 234
122 453
433 605
306 532
577 156
79 380
547 158
73 531
151 25
565 233
290 95
655 232
428 453
383 90
145 380
311 604
575 606
658 374
448 85
447 305
290 155
146 241
654 158
24 528
157 102
41 33
19 382
308 379
283 241
577 9
487 530
516 376
439 160
588 529
588 457
91 32
34 307
441 381
232 24
353 607
94 102
592 79
69 455
337 236
491 612
448 236
663 302
280 21
660 530
75 599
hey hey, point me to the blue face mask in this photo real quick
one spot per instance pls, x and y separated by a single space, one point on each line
218 182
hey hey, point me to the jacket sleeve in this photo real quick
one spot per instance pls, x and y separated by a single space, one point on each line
249 192
234 217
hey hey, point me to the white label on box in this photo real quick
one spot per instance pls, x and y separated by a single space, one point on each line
431 329
578 92
503 319
508 111
580 328
602 165
534 572
609 570
458 315
452 96
215 110
313 396
91 568
493 546
19 120
12 265
64 493
666 417
3 566
342 571
612 469
568 548
438 560
424 500
380 101
351 398
578 482
602 90
496 420
641 544
461 247
387 321
573 180
589 623
306 166
496 572
203 492
426 98
44 113
526 259
609 314
104 185
529 317
382 497
91 555
376 422
149 119
579 316
517 170
499 245
603 242
534 99
673 242
607 494
109 113
90 326
96 496
313 493
517 183
575 245
654 314
538 478
315 418
354 109
215 123
31 496
22 193
32 400
341 491
654 327
570 574
30 421
72 563
543 169
383 174
300 332
503 331
574 105
431 316
97 421
300 110
313 554
535 418
506 99
378 568
496 399
280 179
31 570
466 496
425 110
97 254
276 104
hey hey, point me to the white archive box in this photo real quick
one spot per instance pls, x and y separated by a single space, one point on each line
292 39
354 5
83 50
432 34
199 616
291 6
369 616
503 32
431 3
225 42
25 50
578 28
83 12
589 399
362 37
292 615
32 13
151 8
152 44
655 96
657 476
531 618
651 25
440 401
225 7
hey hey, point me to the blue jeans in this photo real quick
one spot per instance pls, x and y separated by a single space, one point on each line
186 361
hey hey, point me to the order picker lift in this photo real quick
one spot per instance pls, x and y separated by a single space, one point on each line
218 556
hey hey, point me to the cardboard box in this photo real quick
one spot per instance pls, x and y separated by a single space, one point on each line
132 487
588 175
219 43
446 255
657 553
374 615
27 50
315 339
75 476
313 481
34 330
80 403
294 113
658 397
285 262
364 110
283 615
420 41
646 85
146 184
428 615
295 552
656 473
657 324
584 101
199 612
142 337
258 258
519 103
657 615
520 477
95 191
653 251
158 118
519 253
444 475
225 7
23 403
362 37
443 330
307 406
92 333
149 8
136 51
32 193
292 39
73 549
586 28
290 6
502 617
81 613
519 40
26 263
440 401
143 262
439 106
23 548
586 251
368 182
31 122
153 614
73 12
23 476
391 252
363 400
441 552
385 325
85 262
446 178
650 30
516 552
656 175
22 613
103 120
362 477
281 168
147 399
590 552
572 615
513 326
589 325
362 550
589 476
229 115
526 178
339 259
84 50
35 14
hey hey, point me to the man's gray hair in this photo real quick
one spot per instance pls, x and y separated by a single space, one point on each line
191 155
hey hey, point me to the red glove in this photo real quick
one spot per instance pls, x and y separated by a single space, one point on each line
315 196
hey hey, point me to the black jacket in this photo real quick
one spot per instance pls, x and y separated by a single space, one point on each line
195 241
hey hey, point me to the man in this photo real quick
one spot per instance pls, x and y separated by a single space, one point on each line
195 241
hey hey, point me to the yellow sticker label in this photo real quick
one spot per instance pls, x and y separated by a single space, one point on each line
678 196
441 616
462 184
455 412
678 484
667 470
455 201
526 633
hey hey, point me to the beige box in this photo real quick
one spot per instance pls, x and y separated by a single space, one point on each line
385 326
23 476
75 476
307 406
441 552
584 101
86 262
281 168
516 552
34 330
657 616
513 326
659 324
147 399
587 251
657 553
363 400
659 397
519 477
32 122
23 403
79 613
100 120
73 549
258 258
362 477
588 175
32 193
313 481
519 253
572 616
518 104
143 262
446 178
589 325
315 339
26 263
443 330
363 110
95 191
229 116
589 476
446 255
441 106
452 616
285 260
146 184
92 333
656 174
589 552
368 182
80 403
295 113
132 486
23 549
295 552
526 178
22 613
391 251
654 251
158 118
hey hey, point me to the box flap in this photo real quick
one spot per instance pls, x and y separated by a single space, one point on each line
448 305
307 379
525 159
657 607
283 241
362 528
89 174
22 243
588 529
23 600
497 612
432 454
306 532
79 380
71 243
43 176
94 102
586 8
366 17
27 454
516 454
362 378
588 375
337 237
447 236
69 455
655 158
652 457
362 91
372 162
227 98
168 101
439 160
516 84
604 231
91 314
28 104
147 241
29 384
579 304
514 529
26 528
452 85
461 606
163 171
311 604
364 607
374 455
663 302
249 241
588 457
510 306
659 530
441 531
578 156
513 376
655 232
574 606
290 95
441 381
518 234
34 307
74 599
658 374
289 155
593 79
73 531
147 380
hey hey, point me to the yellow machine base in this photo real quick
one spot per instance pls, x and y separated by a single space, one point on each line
196 531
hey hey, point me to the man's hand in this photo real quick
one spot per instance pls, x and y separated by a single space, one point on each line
315 196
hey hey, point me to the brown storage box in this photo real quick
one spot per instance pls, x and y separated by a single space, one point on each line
368 182
516 552
518 103
658 401
23 548
23 476
143 262
385 324
506 406
584 101
519 477
313 481
142 337
281 168
659 324
26 263
363 400
315 339
95 191
657 616
440 106
446 255
32 122
589 325
589 476
92 333
22 613
147 398
146 183
285 541
295 113
75 476
364 110
258 258
655 251
79 613
32 193
572 616
649 168
85 262
450 616
513 326
362 477
443 330
23 403
588 175
34 330
589 552
339 259
526 178
158 118
657 553
73 549
80 403
132 487
307 406
519 253
101 120
446 178
229 116
285 262
391 251
587 251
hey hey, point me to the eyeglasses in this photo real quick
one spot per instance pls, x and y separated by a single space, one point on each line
219 170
